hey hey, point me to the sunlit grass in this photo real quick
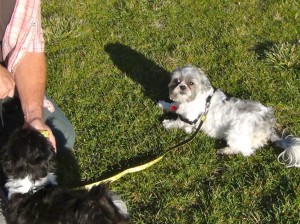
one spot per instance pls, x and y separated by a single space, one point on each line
108 64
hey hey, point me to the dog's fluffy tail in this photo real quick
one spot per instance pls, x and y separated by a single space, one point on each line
291 154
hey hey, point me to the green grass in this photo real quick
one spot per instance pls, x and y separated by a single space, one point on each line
108 64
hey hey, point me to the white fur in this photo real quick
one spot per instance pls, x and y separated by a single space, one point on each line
291 154
245 125
24 185
121 205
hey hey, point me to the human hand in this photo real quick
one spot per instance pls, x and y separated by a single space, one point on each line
39 125
7 83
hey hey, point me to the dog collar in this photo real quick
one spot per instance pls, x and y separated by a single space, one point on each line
207 104
187 120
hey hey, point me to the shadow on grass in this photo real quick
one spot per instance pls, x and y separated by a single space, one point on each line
67 170
124 164
153 78
262 48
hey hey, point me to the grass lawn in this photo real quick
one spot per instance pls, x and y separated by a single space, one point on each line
108 65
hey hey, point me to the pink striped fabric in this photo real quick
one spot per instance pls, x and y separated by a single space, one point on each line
23 33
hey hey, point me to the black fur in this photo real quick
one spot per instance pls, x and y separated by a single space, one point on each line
29 153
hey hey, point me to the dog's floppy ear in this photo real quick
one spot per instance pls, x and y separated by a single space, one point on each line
7 164
205 83
9 159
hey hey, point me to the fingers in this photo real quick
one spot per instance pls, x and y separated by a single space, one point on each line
39 125
52 139
7 89
7 83
11 92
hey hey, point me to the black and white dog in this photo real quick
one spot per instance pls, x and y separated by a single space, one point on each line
245 125
33 194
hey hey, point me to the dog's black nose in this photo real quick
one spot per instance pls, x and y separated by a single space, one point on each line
182 87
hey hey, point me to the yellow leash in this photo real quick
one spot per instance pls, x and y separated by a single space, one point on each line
119 175
143 166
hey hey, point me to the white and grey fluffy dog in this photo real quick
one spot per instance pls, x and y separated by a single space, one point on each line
245 125
33 194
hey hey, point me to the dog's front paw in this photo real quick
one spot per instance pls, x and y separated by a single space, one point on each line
226 151
188 130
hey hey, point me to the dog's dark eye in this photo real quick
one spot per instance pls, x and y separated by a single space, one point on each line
191 83
177 81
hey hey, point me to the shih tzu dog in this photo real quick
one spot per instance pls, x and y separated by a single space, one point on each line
33 194
245 125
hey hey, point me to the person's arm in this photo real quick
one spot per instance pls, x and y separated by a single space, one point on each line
7 83
30 79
